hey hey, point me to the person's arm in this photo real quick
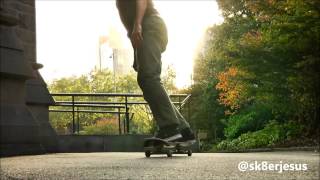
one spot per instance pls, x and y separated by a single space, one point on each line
136 36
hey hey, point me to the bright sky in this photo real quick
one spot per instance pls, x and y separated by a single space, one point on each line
68 34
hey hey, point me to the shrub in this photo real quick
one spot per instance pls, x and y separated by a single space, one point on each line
272 133
252 119
102 127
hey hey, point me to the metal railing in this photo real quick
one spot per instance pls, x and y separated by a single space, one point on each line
119 105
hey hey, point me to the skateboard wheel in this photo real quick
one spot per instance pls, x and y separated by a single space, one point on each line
169 153
148 154
189 153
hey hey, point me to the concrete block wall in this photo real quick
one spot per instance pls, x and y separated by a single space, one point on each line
110 143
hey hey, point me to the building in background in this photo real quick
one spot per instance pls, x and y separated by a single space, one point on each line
115 58
121 61
105 59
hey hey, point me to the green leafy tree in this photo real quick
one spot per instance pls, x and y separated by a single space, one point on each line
264 57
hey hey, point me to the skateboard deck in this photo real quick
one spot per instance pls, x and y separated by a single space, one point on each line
160 146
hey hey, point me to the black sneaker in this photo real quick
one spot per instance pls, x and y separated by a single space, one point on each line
187 136
169 133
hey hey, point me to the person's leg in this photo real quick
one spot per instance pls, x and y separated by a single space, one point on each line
149 70
148 65
185 130
182 121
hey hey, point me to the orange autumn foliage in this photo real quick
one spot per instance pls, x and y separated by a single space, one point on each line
230 88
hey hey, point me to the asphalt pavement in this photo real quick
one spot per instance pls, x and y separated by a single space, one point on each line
262 165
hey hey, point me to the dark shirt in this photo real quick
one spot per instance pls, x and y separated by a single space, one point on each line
127 10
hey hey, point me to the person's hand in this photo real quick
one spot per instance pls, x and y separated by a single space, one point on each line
136 36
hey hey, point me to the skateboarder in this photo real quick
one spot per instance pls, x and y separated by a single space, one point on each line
148 36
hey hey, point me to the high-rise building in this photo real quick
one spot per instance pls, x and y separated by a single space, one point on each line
121 61
117 59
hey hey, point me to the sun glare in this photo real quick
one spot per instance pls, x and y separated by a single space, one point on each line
186 22
67 37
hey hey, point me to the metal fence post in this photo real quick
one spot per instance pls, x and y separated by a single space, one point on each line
78 121
180 107
73 123
189 109
119 119
127 113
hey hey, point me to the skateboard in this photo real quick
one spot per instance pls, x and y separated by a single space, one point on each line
160 146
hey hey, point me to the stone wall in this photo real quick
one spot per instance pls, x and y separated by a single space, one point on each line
24 97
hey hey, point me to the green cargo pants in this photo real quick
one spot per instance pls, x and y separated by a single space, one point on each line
148 65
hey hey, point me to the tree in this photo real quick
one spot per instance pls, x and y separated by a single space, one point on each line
262 61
